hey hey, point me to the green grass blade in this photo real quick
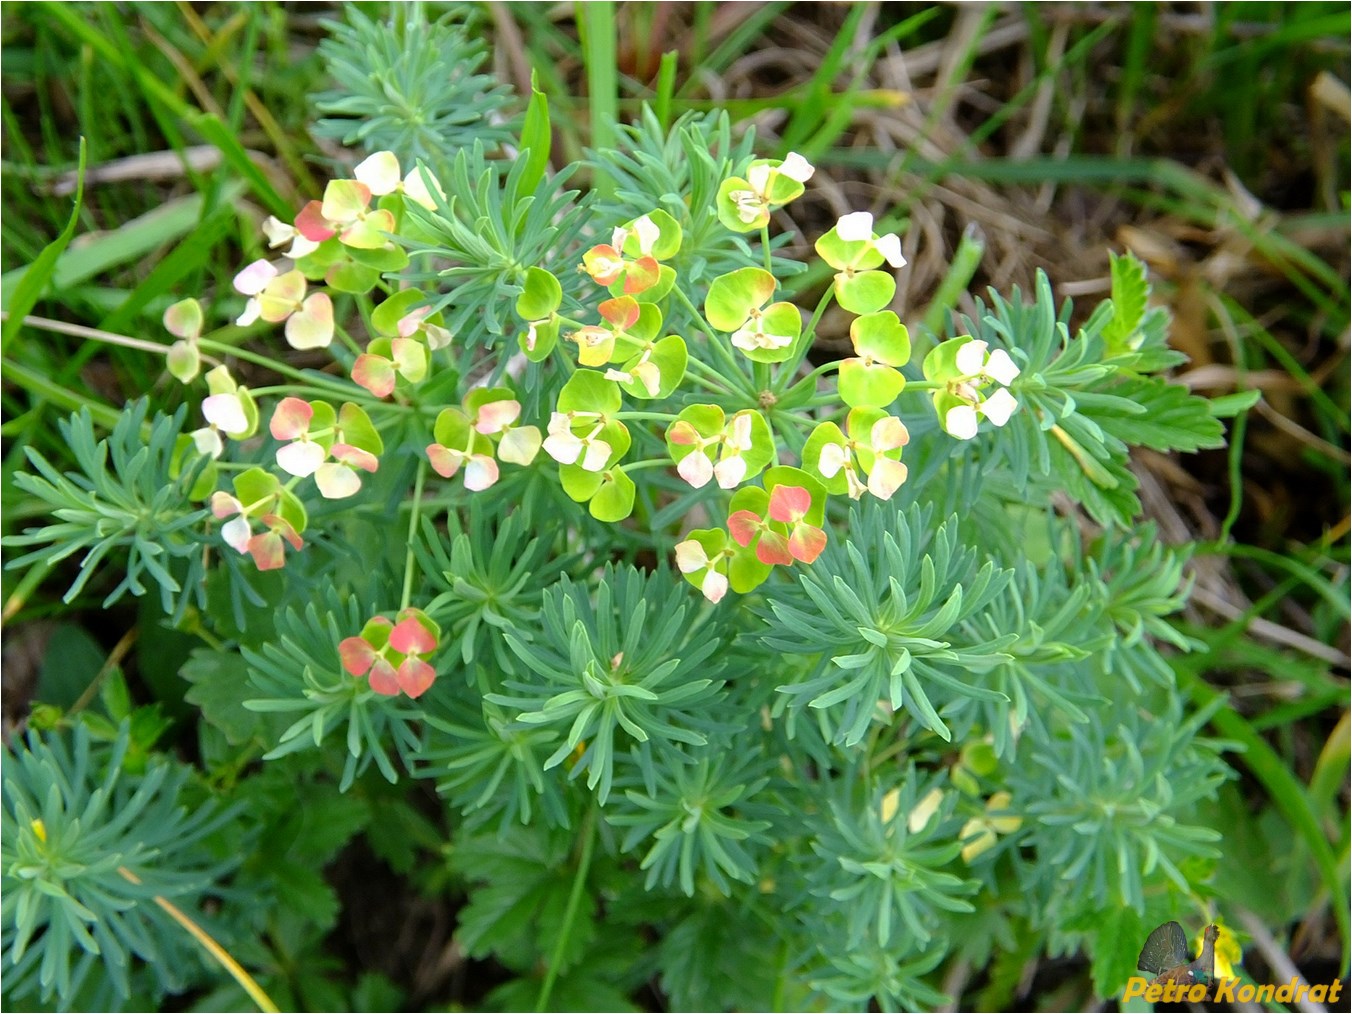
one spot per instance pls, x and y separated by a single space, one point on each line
18 295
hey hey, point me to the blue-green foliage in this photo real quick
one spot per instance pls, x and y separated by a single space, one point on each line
679 171
128 495
1082 405
483 236
887 616
410 87
886 876
299 672
86 849
625 669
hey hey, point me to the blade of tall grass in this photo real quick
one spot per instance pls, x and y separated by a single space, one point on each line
1286 791
160 96
23 293
596 25
736 41
125 245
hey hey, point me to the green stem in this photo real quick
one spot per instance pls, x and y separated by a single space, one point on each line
765 246
736 377
647 463
347 340
588 833
804 342
654 416
596 28
345 390
413 516
94 334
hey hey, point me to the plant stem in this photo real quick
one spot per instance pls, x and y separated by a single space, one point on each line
346 390
63 397
588 834
735 376
804 341
647 463
414 513
94 334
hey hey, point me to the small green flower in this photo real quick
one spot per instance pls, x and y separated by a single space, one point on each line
744 205
854 250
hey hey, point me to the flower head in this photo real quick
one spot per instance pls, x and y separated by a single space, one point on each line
276 297
391 655
260 496
705 572
744 204
968 369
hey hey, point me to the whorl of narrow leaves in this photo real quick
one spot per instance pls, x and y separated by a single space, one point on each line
299 672
409 87
1082 403
696 822
626 669
888 616
490 581
886 873
1113 806
489 228
680 170
132 493
74 819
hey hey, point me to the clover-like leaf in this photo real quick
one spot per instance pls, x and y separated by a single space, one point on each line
734 295
541 296
614 499
826 434
590 391
655 372
385 318
865 291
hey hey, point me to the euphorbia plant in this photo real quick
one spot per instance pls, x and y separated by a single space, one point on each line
872 721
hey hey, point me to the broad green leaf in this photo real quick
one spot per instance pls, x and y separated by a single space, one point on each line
942 361
881 336
254 485
385 259
786 475
825 433
781 319
539 339
541 295
733 296
452 428
590 391
842 254
728 208
358 429
385 317
670 357
29 287
668 242
1130 293
762 450
865 385
745 571
865 291
535 139
615 499
349 276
